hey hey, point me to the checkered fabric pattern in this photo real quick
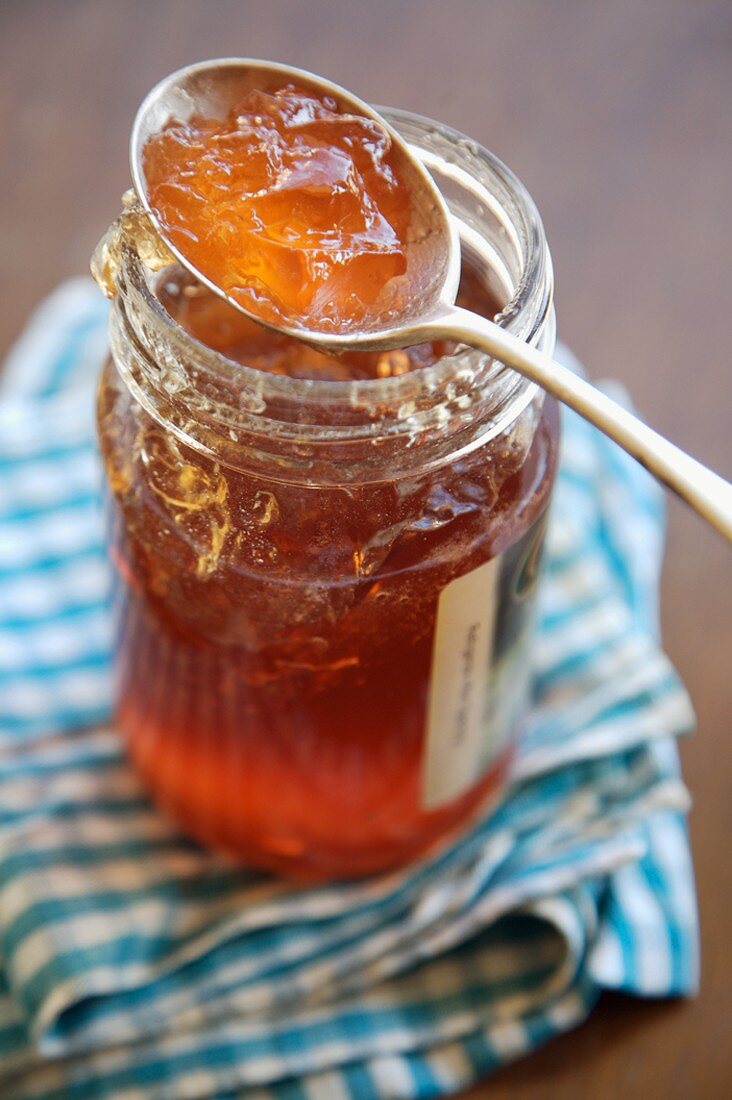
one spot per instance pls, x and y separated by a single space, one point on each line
135 965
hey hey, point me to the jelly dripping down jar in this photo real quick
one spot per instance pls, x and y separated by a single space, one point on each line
326 583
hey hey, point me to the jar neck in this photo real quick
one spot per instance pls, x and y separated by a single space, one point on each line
326 432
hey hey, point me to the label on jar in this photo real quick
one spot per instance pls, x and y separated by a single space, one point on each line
480 677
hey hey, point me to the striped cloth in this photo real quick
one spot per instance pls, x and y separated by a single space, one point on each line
135 965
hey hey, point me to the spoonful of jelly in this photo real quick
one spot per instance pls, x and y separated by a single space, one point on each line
303 208
293 199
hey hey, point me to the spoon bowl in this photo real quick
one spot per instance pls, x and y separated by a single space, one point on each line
211 89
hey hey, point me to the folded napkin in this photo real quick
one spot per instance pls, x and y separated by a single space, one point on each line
137 965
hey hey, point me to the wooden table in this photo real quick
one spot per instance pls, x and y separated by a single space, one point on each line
618 117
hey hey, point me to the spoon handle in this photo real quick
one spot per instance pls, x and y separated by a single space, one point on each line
708 493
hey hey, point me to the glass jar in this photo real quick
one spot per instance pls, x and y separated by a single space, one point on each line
325 588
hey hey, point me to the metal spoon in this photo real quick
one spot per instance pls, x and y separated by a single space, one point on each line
213 87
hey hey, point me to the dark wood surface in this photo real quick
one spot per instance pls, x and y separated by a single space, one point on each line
618 117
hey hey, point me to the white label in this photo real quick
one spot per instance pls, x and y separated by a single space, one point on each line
481 669
461 659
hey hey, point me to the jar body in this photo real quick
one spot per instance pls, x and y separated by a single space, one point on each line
275 653
325 591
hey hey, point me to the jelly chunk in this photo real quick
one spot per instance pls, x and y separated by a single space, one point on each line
293 208
133 226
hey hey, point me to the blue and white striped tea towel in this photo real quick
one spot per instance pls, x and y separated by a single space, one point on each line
137 966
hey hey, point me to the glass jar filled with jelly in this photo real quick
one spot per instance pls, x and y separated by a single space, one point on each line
326 567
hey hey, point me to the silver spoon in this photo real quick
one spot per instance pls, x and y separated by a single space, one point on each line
213 87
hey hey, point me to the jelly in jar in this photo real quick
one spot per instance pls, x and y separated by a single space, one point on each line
326 568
